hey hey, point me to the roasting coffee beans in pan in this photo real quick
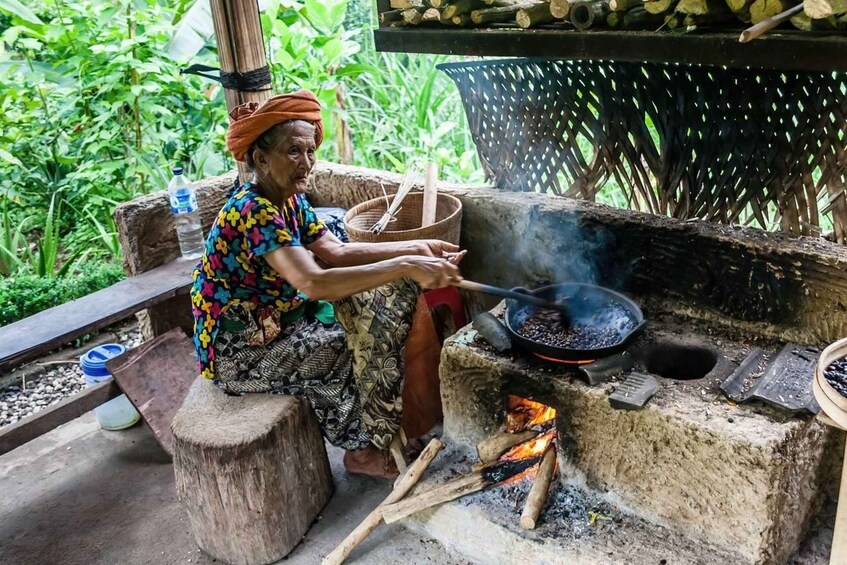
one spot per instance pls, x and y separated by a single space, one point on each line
836 376
604 327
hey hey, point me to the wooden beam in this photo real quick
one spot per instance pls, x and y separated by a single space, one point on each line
784 50
31 337
50 418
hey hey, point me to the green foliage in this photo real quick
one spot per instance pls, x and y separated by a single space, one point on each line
27 294
11 240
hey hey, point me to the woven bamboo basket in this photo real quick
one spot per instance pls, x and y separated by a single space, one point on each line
832 403
407 222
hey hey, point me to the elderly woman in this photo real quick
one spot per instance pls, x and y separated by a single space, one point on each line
273 278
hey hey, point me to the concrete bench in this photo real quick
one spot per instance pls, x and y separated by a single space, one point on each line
251 470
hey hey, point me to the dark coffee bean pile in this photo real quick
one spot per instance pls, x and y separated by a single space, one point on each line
602 329
836 376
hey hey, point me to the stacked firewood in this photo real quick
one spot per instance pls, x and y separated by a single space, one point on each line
810 15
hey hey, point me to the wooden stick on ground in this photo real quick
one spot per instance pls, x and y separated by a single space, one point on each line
540 486
456 488
396 450
768 24
405 484
490 449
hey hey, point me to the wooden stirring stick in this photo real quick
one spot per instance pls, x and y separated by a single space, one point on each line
522 297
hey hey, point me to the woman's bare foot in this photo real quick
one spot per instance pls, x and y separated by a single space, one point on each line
371 462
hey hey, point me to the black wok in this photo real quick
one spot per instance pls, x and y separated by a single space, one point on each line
587 304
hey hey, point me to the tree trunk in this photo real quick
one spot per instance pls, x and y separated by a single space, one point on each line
251 470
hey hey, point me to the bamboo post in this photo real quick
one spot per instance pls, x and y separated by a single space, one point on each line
241 48
404 485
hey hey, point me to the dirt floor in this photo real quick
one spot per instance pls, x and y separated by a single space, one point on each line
80 495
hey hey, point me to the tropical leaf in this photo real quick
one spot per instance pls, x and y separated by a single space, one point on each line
15 8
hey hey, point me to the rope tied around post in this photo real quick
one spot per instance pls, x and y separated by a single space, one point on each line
248 81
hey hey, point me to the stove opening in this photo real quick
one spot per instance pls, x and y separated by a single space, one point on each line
680 362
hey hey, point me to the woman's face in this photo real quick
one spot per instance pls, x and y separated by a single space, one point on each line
286 166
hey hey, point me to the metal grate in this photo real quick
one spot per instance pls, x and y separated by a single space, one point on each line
762 147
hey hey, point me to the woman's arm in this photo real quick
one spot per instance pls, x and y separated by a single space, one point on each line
295 265
334 252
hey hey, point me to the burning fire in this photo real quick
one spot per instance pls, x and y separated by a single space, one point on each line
524 414
530 448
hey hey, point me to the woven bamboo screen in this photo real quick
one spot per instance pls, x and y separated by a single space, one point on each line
727 145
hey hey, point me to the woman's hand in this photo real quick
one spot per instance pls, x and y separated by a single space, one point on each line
433 272
435 247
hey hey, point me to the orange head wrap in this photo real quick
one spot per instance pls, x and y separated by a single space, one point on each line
250 120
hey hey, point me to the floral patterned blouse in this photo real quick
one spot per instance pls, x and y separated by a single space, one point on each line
232 271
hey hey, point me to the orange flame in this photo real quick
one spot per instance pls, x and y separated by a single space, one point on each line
531 448
523 414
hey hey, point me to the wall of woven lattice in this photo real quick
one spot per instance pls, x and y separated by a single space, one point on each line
758 147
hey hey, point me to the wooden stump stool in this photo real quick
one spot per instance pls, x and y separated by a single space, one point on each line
251 470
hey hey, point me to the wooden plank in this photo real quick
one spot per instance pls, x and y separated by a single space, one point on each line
40 423
33 336
156 377
783 50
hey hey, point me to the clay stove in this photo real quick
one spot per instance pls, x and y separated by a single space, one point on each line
692 477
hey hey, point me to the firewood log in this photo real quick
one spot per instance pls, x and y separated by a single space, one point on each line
693 20
804 22
490 449
769 23
585 14
740 8
496 15
463 20
403 486
623 5
456 488
763 9
437 4
405 4
672 21
560 9
460 7
614 20
413 16
391 16
701 7
658 6
819 9
639 18
431 15
540 486
534 15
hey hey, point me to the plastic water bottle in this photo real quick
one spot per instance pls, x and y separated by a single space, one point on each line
186 216
118 413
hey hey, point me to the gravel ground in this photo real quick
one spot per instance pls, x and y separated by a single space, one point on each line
51 384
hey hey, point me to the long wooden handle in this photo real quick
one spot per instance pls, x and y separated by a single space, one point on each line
504 293
768 24
406 483
430 196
